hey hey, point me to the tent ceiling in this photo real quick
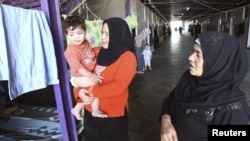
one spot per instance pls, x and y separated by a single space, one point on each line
168 10
190 9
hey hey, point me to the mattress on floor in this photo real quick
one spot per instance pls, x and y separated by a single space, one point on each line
29 122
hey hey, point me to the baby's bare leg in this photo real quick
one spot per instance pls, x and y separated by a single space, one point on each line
76 111
83 81
96 112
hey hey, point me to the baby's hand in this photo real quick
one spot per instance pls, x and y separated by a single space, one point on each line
97 79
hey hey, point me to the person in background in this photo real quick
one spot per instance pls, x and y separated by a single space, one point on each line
180 30
139 59
139 39
156 39
116 63
208 93
82 61
147 55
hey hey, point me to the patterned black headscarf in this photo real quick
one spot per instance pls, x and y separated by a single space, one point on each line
225 66
120 40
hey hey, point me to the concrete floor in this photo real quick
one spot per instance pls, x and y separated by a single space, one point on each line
148 90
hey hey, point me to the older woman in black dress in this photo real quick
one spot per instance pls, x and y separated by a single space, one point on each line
209 92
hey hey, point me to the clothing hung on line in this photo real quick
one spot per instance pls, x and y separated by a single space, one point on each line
94 30
141 36
27 58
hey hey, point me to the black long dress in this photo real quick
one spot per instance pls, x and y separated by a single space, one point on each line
191 124
156 40
214 97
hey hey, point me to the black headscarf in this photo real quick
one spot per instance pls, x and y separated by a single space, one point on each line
120 40
225 66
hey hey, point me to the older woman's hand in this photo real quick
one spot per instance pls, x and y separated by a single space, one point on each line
168 132
85 96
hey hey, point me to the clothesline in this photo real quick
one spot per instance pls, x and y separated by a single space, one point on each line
87 8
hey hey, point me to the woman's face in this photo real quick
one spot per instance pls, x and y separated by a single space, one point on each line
196 61
105 36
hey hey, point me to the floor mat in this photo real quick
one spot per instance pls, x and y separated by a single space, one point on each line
31 123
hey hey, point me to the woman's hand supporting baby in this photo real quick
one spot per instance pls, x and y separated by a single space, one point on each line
86 96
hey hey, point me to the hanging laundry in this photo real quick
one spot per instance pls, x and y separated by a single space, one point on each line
94 32
131 21
4 73
27 59
141 36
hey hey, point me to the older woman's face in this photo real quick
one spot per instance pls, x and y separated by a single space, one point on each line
196 61
105 36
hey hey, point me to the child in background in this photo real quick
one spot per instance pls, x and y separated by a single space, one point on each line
147 55
82 62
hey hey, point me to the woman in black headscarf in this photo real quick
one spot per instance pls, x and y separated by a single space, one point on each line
209 92
116 64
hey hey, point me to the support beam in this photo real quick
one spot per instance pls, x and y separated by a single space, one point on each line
69 6
62 90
